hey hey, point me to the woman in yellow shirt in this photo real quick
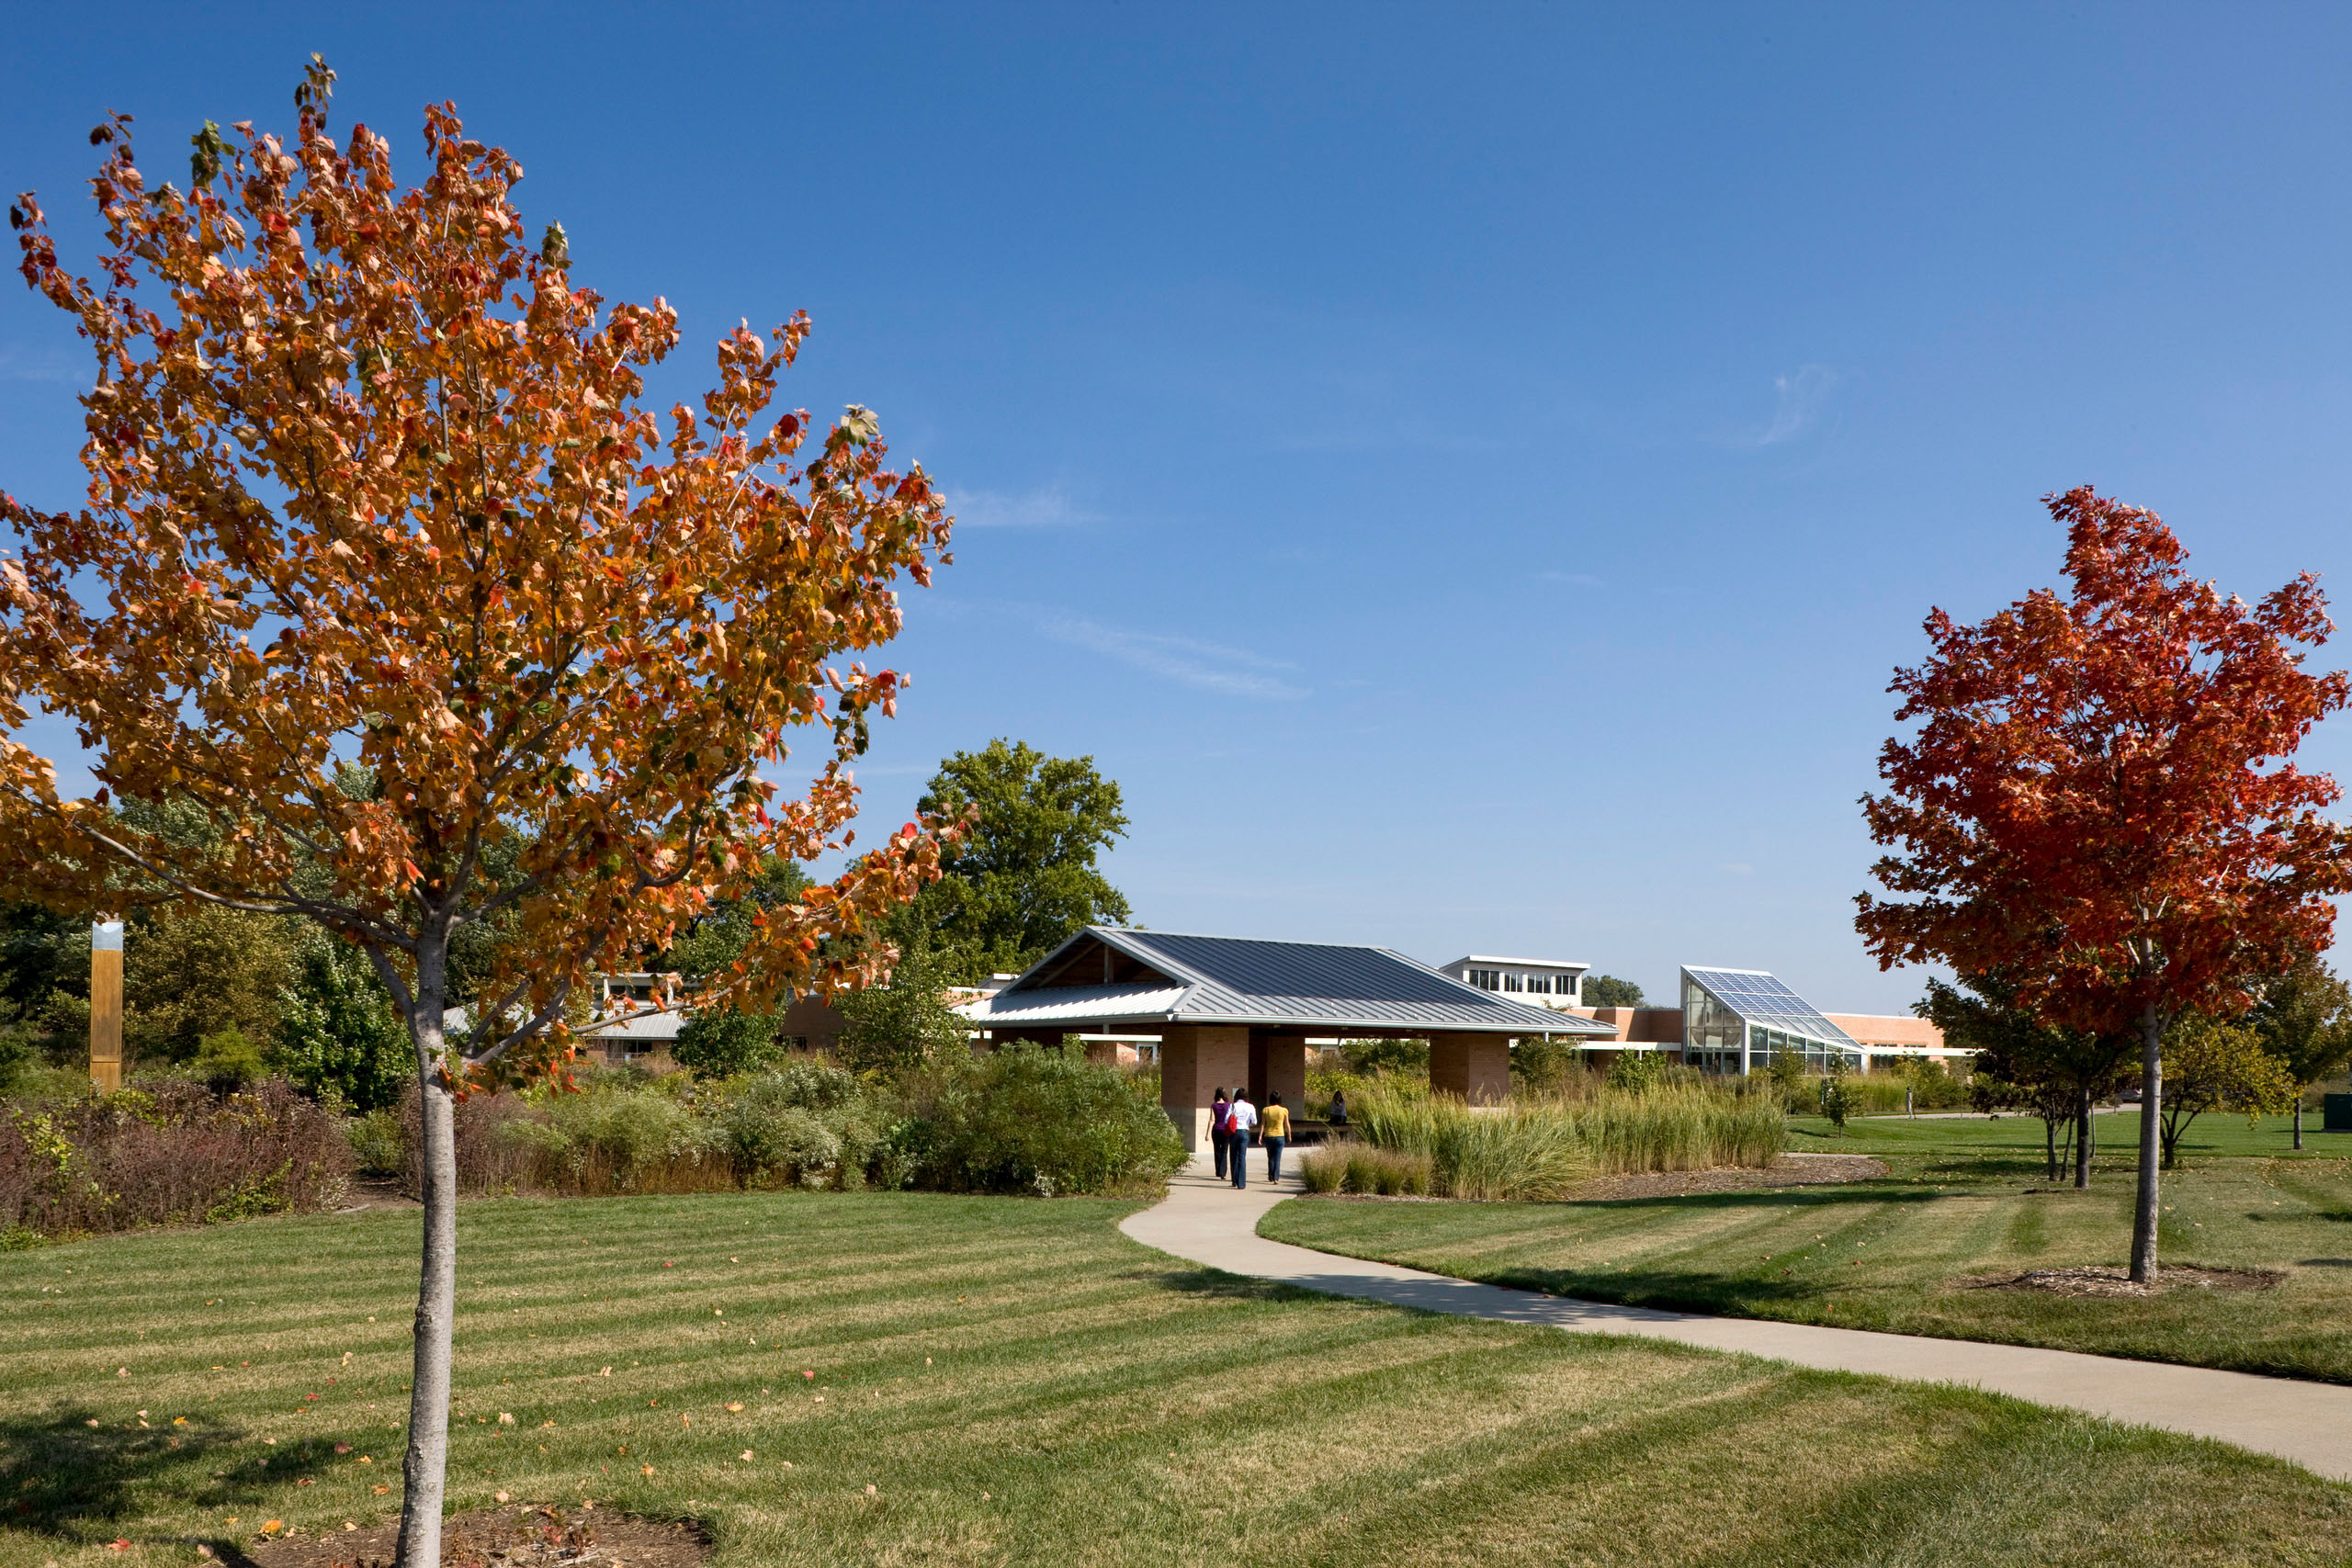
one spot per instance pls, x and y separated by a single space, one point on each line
1274 1131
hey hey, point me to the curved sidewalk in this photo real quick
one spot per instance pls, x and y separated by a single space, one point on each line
1206 1221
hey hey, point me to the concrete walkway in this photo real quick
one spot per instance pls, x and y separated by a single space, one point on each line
1206 1221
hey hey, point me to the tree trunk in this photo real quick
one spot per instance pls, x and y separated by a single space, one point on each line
2050 1150
2152 1095
2299 1116
425 1471
2083 1138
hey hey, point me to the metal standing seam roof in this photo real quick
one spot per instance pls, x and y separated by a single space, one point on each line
1759 996
1240 980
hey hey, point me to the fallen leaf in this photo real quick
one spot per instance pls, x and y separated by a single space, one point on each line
869 1489
734 1404
506 1418
379 1491
272 1527
117 1544
648 1470
605 1373
501 1498
343 1448
745 1455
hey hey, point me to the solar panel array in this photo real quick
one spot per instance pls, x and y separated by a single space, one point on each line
1761 999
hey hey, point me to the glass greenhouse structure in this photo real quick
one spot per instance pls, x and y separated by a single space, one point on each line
1736 1020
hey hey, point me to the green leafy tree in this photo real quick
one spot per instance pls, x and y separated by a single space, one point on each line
45 972
1840 1098
717 1042
1608 991
2211 1065
194 970
904 1022
2057 1073
1788 1074
339 1037
2304 1018
1025 876
720 1042
1368 1057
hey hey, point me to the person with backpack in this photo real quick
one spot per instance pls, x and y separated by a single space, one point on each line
1274 1133
1220 1125
1245 1117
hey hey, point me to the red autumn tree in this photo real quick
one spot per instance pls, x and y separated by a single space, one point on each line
386 574
2099 803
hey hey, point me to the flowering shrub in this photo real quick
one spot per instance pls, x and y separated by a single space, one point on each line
165 1152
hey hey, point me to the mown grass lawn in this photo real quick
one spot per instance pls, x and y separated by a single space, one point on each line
1020 1384
1963 1201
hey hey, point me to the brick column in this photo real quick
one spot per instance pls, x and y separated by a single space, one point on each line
1278 1066
1193 1060
1477 1067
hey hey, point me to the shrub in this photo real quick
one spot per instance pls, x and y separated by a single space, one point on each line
165 1152
338 1036
1543 1061
376 1143
1022 1119
227 1061
1636 1071
806 1125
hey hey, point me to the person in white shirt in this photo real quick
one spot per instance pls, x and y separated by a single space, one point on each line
1245 1118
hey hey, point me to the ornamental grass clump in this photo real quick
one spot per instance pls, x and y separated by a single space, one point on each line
1679 1126
1540 1146
1358 1168
1530 1152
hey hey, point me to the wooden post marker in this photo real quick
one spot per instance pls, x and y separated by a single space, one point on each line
106 1004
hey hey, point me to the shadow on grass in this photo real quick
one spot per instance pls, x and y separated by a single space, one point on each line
1715 1295
62 1476
1216 1283
1824 1195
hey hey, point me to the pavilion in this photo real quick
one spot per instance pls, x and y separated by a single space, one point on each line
1231 1010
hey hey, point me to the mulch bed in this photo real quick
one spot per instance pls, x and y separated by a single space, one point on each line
2117 1281
510 1537
1789 1170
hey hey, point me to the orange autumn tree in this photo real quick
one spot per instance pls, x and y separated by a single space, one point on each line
386 573
2100 804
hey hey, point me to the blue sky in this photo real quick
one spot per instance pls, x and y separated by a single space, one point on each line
1467 474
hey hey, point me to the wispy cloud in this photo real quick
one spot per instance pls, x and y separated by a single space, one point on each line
1047 506
1212 667
50 365
1798 402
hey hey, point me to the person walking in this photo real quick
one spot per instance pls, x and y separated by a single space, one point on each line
1245 1117
1274 1124
1220 1127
